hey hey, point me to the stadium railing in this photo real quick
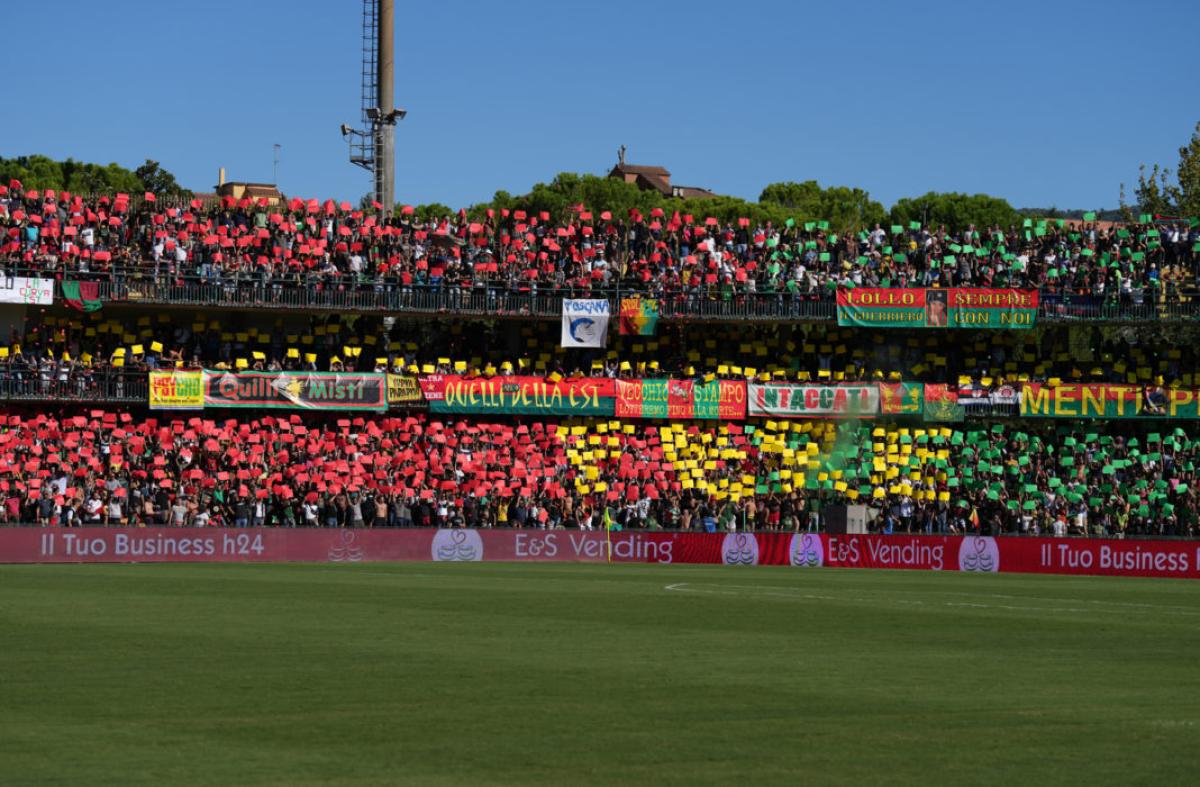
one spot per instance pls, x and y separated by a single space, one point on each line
347 294
87 385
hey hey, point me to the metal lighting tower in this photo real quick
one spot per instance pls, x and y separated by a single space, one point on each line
375 148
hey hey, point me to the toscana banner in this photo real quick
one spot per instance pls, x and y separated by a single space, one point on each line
937 308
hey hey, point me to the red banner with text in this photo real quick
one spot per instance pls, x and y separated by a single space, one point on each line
1137 558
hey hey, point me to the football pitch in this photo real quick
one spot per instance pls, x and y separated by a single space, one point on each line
591 674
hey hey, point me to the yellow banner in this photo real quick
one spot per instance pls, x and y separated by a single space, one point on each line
177 390
403 390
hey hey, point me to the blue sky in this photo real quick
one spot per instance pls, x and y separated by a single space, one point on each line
1043 103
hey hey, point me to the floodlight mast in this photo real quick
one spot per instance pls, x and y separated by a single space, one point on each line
375 148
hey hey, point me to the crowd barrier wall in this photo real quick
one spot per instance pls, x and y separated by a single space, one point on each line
1140 558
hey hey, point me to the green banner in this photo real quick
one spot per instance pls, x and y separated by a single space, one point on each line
1070 400
518 395
941 404
897 307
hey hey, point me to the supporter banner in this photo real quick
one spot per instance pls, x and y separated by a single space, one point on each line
901 399
585 322
1076 400
975 554
937 308
518 395
402 389
785 400
941 404
287 390
32 292
979 395
177 390
639 316
992 308
719 399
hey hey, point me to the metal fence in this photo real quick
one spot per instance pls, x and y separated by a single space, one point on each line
346 294
80 385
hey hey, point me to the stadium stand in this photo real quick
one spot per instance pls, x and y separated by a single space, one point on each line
104 467
234 287
683 259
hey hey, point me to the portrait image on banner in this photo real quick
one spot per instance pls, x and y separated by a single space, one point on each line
919 307
585 322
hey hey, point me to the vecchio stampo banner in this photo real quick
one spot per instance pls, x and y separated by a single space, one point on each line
719 399
1134 558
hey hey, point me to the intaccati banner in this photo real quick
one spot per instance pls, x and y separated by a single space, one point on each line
1079 400
797 400
519 395
679 399
897 307
290 390
802 551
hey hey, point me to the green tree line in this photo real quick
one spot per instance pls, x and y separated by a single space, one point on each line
79 177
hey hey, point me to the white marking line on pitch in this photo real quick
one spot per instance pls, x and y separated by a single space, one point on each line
687 587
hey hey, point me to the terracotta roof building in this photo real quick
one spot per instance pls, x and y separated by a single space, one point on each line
654 179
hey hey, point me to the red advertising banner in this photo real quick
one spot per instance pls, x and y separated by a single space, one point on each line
720 399
1109 557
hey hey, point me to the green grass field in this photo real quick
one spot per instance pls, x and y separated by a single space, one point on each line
586 674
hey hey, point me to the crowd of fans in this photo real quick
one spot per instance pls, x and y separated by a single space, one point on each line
72 355
314 244
112 468
130 468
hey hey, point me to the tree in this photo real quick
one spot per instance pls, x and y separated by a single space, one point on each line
954 211
159 181
79 177
1155 194
1189 176
843 207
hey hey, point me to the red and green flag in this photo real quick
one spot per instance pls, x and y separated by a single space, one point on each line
82 295
639 316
